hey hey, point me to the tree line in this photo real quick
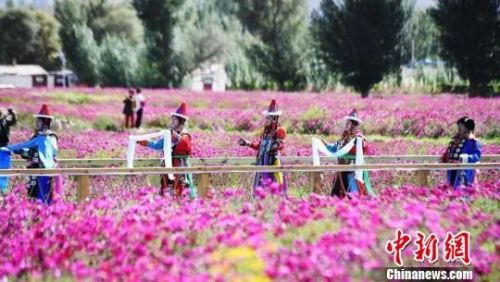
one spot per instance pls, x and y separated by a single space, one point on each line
265 44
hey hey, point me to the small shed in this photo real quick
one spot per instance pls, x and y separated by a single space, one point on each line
210 78
23 76
63 78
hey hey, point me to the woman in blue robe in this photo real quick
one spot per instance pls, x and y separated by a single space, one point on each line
463 148
40 152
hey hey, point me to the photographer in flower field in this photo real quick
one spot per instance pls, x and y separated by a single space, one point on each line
128 109
465 148
7 119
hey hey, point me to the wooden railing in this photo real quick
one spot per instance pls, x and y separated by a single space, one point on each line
203 173
121 162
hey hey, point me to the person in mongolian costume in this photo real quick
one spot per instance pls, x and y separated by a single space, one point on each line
463 148
354 145
181 150
7 120
268 148
40 152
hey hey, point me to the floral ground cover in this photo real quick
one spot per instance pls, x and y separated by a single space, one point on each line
139 236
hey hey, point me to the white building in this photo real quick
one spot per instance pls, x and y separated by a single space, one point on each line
29 76
23 76
211 78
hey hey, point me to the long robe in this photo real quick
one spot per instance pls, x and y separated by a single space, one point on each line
266 155
40 151
181 150
469 148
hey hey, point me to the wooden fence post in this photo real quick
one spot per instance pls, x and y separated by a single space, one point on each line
316 180
203 183
423 178
83 184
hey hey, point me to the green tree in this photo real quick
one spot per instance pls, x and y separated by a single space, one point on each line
159 19
360 40
10 4
119 62
47 42
420 38
104 17
470 39
241 71
200 38
91 28
113 18
72 17
18 37
29 37
281 26
85 59
318 76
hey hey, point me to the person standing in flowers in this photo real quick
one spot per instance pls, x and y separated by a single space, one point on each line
465 148
181 150
354 143
268 148
128 109
140 102
7 120
40 152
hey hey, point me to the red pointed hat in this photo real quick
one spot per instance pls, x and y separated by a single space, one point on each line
181 111
44 112
273 109
353 116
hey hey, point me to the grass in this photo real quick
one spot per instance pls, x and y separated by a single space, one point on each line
76 98
309 232
105 123
490 206
313 113
6 99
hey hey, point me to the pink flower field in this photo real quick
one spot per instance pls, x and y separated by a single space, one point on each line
398 115
126 232
136 235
